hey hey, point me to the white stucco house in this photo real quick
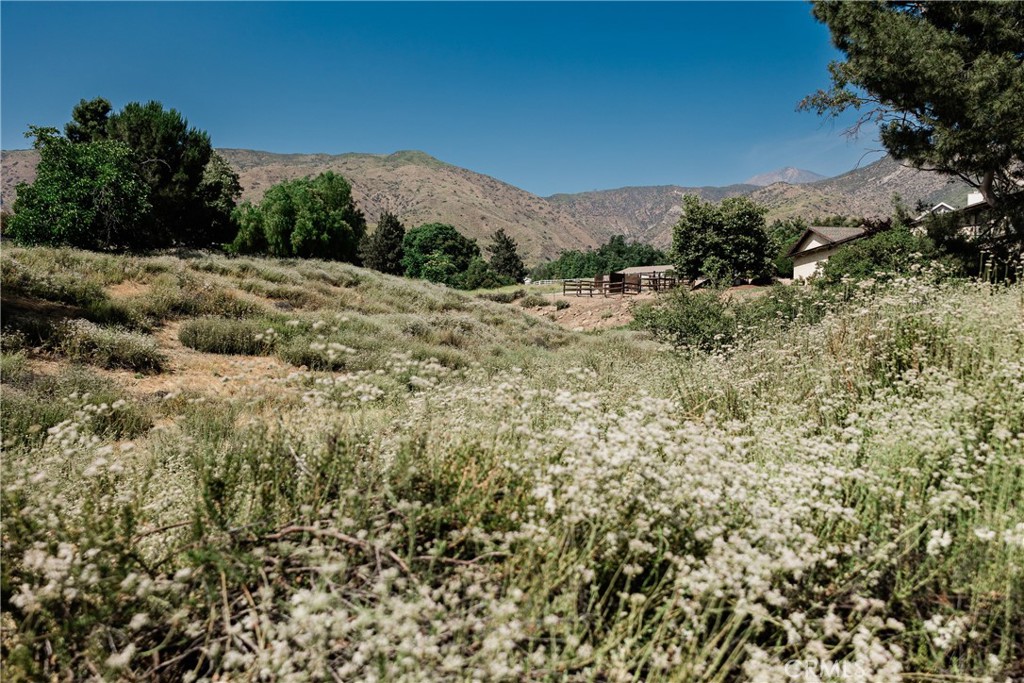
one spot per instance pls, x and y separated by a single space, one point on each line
972 220
816 245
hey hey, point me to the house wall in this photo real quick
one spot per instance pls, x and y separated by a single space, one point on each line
813 242
806 265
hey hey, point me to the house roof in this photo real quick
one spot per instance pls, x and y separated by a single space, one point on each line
940 208
978 206
645 270
830 236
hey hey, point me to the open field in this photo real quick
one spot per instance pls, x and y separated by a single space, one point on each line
255 469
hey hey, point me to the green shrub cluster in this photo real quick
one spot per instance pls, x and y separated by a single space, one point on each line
84 341
533 301
228 336
32 404
503 297
709 320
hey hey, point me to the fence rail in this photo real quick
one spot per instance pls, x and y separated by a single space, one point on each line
629 284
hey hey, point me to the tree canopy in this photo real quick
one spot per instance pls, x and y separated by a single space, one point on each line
721 241
505 259
437 252
382 249
85 195
610 257
945 82
307 217
190 191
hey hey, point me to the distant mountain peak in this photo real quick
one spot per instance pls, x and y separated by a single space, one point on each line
793 176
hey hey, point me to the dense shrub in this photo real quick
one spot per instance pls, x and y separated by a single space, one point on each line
228 335
533 301
896 250
32 404
85 341
503 297
702 320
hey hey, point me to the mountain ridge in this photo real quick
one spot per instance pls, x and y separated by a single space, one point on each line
420 188
786 174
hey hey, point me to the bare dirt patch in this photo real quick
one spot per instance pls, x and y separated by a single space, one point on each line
591 313
205 373
127 289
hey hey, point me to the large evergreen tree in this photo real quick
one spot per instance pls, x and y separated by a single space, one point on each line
172 157
382 249
945 81
505 259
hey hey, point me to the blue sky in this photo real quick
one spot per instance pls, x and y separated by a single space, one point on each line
552 97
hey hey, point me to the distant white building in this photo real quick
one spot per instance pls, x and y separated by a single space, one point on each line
647 270
972 216
816 245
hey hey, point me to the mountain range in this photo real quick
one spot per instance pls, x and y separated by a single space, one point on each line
419 188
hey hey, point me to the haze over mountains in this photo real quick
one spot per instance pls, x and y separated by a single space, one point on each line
421 189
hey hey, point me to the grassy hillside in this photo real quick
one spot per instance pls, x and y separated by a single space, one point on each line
253 469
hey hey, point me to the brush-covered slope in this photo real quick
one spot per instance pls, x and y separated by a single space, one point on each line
648 213
866 191
644 214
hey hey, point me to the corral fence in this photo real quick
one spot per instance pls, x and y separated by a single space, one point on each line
617 283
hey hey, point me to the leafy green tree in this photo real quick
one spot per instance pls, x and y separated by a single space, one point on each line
429 242
440 268
505 259
945 81
308 217
219 191
482 275
191 191
382 249
615 255
85 195
894 250
783 234
722 241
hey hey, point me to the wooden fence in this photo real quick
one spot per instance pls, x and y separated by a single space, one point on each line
604 285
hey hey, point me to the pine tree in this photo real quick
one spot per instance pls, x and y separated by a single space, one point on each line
382 249
945 83
505 259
